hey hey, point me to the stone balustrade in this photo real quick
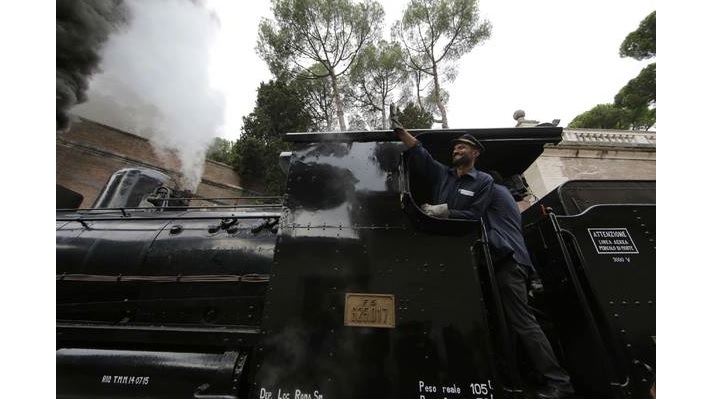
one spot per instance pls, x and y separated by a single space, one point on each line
611 138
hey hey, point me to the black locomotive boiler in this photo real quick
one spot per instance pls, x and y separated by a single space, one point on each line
343 288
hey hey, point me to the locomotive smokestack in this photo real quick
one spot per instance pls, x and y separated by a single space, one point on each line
82 27
129 187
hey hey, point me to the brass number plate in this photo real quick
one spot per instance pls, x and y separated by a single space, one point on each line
369 310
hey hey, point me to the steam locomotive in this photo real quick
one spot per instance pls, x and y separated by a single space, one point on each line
342 287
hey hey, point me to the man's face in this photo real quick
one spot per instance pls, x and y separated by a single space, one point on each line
463 154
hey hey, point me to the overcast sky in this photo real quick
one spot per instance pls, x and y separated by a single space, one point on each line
552 58
581 76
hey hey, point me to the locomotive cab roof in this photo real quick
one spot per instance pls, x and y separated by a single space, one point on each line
509 151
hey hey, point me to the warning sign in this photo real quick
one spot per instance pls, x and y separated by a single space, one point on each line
612 240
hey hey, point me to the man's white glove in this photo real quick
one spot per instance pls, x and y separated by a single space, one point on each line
436 210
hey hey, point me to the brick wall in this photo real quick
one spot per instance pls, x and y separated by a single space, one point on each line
89 153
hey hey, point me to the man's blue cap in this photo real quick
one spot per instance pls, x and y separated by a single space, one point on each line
470 140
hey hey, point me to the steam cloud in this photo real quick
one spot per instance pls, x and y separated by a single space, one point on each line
154 82
81 29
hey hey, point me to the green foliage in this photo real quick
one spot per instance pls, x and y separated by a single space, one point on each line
317 95
221 151
415 117
377 71
435 34
611 116
603 116
638 96
258 164
634 105
643 118
641 43
280 109
640 92
325 32
329 32
438 30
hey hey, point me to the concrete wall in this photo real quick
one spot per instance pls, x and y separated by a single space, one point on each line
558 165
89 153
593 154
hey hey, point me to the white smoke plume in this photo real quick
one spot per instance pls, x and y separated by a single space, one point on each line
154 82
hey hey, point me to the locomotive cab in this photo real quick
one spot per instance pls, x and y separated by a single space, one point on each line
392 302
344 289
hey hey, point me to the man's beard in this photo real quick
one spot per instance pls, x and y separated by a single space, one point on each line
461 161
